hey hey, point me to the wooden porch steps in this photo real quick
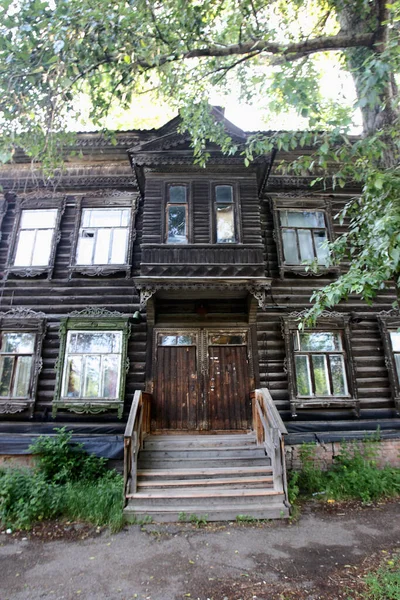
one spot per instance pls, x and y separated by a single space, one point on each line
216 477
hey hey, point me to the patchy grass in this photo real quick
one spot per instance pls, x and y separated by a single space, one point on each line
80 488
384 583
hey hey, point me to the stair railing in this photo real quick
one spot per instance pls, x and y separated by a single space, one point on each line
137 426
270 429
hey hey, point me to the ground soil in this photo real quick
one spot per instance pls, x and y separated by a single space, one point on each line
323 555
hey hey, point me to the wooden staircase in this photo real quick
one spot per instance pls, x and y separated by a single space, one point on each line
216 477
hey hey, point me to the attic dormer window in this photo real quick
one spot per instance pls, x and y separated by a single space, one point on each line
177 215
224 215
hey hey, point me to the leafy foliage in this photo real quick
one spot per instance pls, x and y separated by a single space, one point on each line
354 475
67 482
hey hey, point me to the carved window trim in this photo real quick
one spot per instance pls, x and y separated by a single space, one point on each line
334 322
34 204
3 210
24 320
237 213
296 204
91 321
189 213
119 201
388 322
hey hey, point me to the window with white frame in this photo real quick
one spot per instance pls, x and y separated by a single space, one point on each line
304 235
17 351
176 215
103 236
319 363
35 237
395 343
92 367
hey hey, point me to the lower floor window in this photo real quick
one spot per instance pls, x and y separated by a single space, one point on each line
319 364
395 341
92 364
16 359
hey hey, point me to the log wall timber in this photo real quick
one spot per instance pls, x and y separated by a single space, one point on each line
60 296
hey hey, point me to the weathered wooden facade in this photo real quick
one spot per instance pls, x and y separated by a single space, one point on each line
138 271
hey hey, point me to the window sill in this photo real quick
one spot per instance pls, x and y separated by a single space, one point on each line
29 271
343 402
301 270
83 406
100 270
11 406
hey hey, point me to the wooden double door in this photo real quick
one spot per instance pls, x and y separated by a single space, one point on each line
201 380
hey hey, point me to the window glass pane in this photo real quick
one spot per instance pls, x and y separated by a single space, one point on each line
306 245
38 219
397 363
84 251
167 340
224 193
226 339
73 377
6 371
23 255
290 251
101 218
110 377
20 343
338 375
119 243
297 218
395 339
102 247
22 376
92 377
102 343
321 377
321 341
42 248
176 217
125 217
177 193
184 340
322 252
225 223
303 379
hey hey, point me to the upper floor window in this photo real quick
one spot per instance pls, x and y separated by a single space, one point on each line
103 236
395 342
104 233
35 237
304 234
177 215
224 215
302 230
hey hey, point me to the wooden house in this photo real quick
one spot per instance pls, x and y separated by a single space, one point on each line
152 306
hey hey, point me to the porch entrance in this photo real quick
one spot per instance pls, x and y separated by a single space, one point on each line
201 380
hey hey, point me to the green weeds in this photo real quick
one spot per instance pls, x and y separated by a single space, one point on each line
66 482
353 475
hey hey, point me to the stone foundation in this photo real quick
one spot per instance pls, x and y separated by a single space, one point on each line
387 453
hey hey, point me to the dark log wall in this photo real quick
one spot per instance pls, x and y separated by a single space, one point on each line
292 293
57 298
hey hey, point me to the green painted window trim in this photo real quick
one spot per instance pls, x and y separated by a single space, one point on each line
84 405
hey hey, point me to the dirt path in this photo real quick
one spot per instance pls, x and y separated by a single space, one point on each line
315 558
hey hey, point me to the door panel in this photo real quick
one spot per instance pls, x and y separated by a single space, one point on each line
176 394
228 397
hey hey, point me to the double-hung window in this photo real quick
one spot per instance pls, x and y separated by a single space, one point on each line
21 335
225 218
389 322
319 363
35 236
177 214
92 363
304 236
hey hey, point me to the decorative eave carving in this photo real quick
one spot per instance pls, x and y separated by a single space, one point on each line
393 313
326 314
96 312
257 289
21 312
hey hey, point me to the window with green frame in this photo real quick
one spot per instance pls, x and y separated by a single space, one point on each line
92 364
